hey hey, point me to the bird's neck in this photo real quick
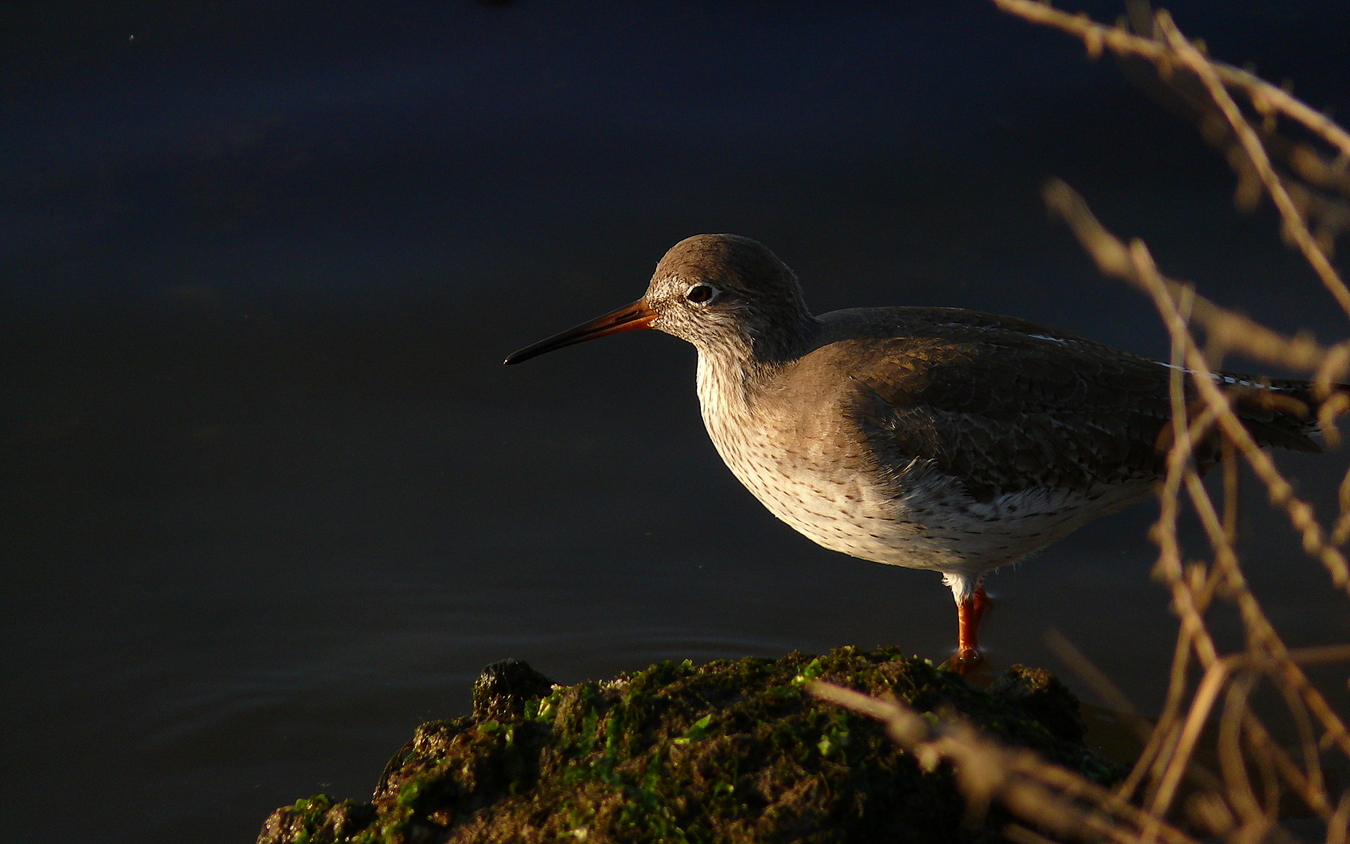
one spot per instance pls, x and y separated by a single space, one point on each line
727 386
732 373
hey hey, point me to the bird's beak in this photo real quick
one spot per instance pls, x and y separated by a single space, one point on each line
628 318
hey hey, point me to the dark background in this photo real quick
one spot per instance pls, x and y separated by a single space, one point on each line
270 499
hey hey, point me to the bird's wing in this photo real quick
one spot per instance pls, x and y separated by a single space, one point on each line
1005 405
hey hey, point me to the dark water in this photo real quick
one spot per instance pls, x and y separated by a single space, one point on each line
271 499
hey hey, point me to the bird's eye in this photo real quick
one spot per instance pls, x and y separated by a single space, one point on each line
701 293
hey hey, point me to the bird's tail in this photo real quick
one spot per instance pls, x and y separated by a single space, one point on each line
1280 412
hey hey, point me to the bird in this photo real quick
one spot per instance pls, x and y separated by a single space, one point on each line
931 438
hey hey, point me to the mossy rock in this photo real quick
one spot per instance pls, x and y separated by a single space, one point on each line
731 751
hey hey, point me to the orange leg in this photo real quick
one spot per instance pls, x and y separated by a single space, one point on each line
968 615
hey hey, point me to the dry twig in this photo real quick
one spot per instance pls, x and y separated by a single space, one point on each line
1241 800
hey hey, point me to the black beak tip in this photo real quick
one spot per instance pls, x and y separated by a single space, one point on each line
524 354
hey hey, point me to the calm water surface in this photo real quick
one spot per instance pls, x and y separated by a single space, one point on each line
271 498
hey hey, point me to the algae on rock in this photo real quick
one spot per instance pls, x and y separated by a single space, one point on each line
734 750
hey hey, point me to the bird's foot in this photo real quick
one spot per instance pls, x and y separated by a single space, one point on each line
964 662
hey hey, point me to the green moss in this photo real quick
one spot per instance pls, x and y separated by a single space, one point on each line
734 750
318 820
